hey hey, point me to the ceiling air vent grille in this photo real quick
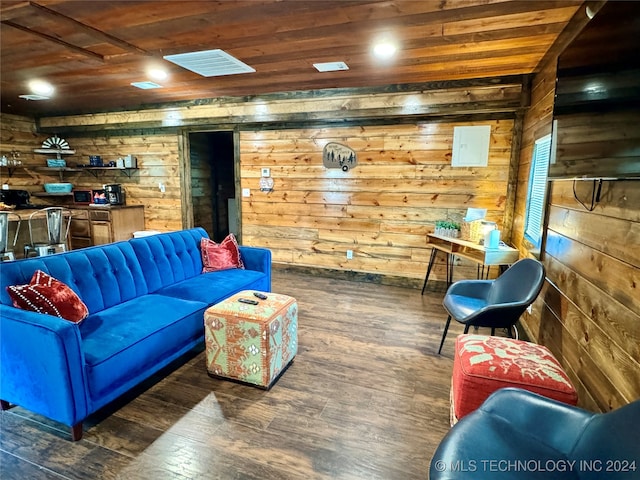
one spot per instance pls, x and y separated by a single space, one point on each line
33 96
146 85
331 66
210 63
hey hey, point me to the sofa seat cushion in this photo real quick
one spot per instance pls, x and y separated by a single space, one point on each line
129 339
216 286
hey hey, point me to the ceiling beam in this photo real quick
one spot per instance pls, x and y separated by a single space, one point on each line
75 48
91 31
12 10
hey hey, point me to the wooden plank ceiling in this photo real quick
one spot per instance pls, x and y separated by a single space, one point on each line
91 51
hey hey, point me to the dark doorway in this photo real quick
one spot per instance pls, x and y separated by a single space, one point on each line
213 183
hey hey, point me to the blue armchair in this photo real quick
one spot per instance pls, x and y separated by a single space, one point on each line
517 434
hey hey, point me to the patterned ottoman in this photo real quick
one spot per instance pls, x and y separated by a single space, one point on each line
484 364
251 343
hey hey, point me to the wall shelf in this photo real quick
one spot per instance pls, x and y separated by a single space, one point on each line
96 170
45 194
92 170
58 152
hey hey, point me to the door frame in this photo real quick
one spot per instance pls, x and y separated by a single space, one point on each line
184 161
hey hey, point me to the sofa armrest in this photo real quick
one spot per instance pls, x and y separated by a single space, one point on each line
255 258
42 365
259 259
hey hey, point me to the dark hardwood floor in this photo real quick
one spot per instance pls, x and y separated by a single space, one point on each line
367 397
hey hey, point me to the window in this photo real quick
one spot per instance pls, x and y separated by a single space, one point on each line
537 190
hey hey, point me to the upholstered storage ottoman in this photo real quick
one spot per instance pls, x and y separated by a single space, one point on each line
483 364
251 343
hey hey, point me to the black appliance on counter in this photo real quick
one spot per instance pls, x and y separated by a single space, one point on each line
20 199
114 193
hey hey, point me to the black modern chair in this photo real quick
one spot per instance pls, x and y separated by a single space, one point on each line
494 303
516 434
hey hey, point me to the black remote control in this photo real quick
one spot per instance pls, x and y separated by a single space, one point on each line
261 296
248 300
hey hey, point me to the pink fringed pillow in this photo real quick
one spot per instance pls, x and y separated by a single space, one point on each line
45 294
220 256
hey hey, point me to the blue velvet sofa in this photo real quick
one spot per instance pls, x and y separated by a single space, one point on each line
146 298
517 434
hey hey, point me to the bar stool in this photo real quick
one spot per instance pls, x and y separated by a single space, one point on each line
5 252
56 231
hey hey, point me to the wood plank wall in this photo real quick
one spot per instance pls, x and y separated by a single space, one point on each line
381 210
157 156
19 134
588 313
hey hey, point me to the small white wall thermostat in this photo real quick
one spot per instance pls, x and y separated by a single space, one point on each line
266 172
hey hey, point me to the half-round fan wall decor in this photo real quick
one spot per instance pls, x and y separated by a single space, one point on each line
55 143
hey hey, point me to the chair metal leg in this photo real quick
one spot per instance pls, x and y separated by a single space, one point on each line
450 263
466 328
493 331
444 334
432 259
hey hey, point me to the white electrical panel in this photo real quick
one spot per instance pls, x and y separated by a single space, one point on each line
471 146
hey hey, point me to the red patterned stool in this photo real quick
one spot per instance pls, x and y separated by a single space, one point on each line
251 343
483 364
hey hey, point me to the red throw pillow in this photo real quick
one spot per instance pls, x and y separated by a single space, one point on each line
220 256
45 294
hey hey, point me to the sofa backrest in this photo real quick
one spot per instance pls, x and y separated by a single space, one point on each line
106 275
169 257
102 276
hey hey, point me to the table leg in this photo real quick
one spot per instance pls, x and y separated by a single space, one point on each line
431 261
450 261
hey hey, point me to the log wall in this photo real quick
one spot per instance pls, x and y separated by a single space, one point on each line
158 161
588 313
381 210
19 135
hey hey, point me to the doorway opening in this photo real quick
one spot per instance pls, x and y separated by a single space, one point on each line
213 191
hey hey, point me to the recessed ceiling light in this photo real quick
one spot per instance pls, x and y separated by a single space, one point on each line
331 66
157 74
384 50
41 88
146 85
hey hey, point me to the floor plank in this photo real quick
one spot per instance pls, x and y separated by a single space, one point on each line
367 397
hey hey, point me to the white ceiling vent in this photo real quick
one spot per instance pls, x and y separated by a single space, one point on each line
146 85
210 63
331 66
33 96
